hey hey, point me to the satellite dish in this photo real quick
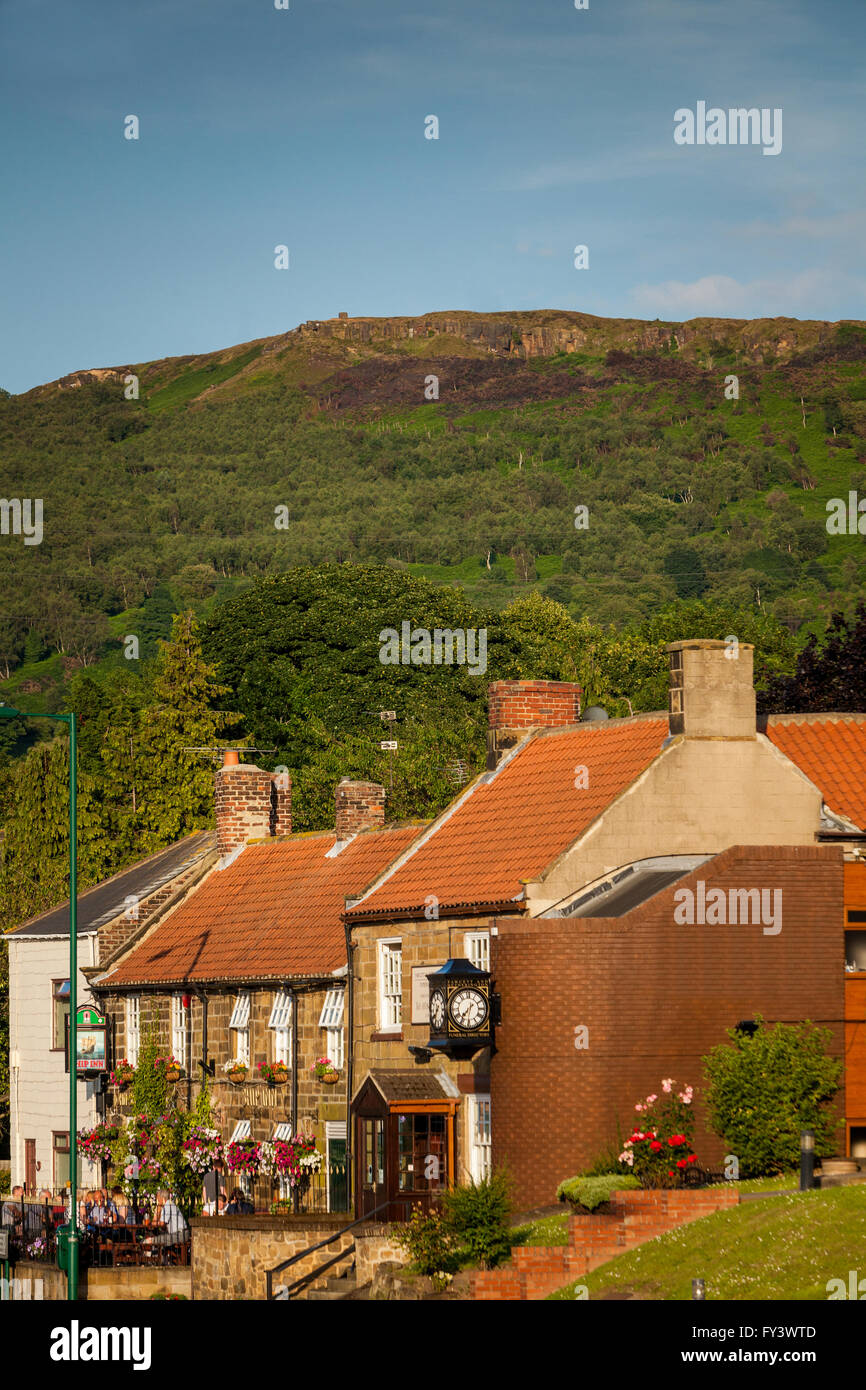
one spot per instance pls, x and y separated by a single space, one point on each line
595 713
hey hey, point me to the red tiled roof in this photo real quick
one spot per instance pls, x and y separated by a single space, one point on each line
513 826
273 913
831 750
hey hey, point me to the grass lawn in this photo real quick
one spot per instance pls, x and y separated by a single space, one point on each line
785 1247
548 1230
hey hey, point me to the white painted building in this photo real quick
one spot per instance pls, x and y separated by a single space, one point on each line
38 1075
110 913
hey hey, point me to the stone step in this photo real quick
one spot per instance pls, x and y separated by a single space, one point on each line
334 1288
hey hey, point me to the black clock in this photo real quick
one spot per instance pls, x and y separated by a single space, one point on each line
460 1019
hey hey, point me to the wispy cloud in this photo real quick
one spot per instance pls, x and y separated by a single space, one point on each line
815 293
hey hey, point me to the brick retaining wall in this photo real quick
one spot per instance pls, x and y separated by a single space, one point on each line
536 1270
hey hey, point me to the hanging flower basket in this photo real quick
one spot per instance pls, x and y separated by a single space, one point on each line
123 1075
244 1156
170 1067
325 1071
274 1073
235 1071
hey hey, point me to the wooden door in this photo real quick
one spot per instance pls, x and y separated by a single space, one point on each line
371 1176
30 1166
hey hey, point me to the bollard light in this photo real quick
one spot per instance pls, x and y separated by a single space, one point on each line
807 1159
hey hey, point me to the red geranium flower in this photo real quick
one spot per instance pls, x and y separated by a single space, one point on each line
655 1146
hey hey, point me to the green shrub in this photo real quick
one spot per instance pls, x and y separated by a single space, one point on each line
477 1216
428 1241
765 1087
591 1192
607 1162
5 1179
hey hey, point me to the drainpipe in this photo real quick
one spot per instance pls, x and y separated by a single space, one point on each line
293 995
350 1056
202 996
187 994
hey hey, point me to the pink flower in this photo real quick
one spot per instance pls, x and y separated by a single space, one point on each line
667 1084
651 1100
638 1107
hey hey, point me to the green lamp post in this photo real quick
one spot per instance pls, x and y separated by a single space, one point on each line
7 712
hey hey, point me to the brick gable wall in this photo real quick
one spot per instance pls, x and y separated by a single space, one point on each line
655 998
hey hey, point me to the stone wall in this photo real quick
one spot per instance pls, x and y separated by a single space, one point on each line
424 943
375 1245
262 1104
133 1284
231 1254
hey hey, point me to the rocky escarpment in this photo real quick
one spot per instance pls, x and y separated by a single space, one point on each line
547 332
316 349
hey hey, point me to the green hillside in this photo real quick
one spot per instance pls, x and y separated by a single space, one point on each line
319 446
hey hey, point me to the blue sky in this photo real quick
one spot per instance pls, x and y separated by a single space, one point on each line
306 127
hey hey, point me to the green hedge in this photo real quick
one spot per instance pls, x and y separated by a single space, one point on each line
589 1193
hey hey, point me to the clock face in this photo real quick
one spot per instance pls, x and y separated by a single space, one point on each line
437 1010
468 1009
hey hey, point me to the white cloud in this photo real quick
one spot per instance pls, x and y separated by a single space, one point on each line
814 293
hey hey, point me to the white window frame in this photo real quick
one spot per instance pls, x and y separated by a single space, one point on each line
239 1024
335 1047
178 1029
240 1131
476 947
281 1023
133 1028
390 1003
332 1009
480 1137
284 1131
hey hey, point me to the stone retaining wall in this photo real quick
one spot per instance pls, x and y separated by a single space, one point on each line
131 1284
230 1254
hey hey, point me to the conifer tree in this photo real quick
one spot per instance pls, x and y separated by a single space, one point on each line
176 782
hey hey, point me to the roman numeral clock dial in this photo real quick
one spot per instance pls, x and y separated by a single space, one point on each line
468 1009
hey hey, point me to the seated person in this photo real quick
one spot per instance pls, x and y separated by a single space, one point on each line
239 1204
213 1185
120 1207
172 1218
12 1209
100 1215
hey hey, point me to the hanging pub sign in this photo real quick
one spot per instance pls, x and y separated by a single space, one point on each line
90 1032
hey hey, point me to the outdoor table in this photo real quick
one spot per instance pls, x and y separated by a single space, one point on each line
127 1243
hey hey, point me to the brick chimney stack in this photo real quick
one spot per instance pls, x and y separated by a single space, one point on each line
518 706
359 806
251 804
712 691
